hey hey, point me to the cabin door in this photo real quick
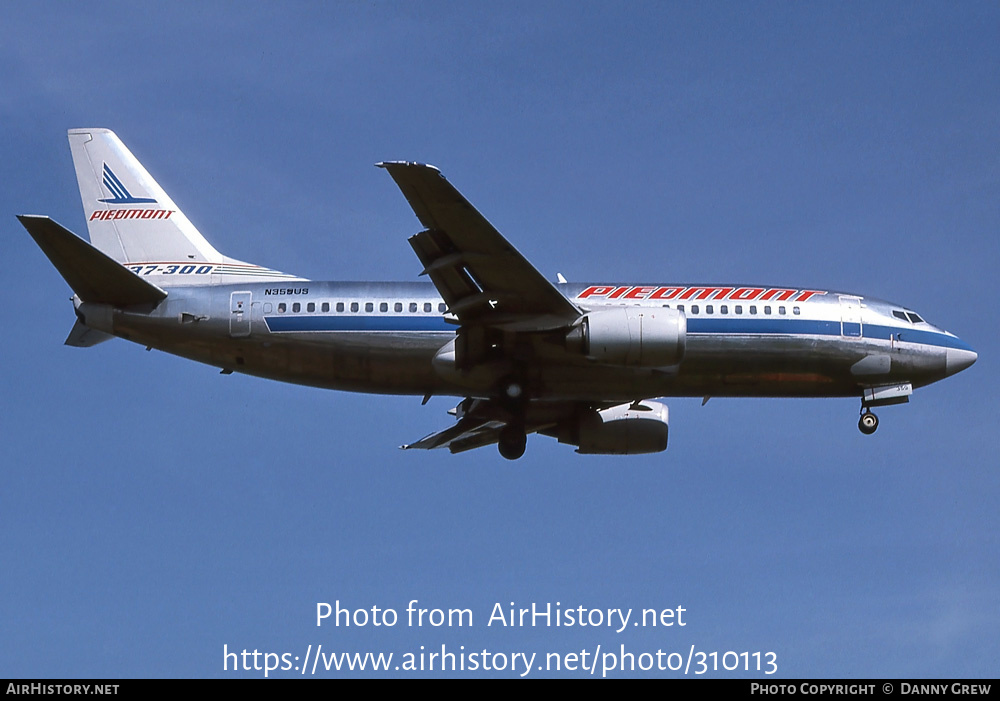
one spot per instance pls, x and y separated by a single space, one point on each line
239 318
850 316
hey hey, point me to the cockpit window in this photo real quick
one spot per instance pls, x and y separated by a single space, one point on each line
911 317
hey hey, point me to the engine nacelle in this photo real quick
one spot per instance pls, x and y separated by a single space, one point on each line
626 429
632 336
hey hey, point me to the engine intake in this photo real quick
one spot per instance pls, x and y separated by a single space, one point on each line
626 429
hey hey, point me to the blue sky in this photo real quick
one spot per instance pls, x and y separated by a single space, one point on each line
153 511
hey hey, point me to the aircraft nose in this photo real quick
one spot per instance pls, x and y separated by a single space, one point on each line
958 359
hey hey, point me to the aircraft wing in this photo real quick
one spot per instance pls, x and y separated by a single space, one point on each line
466 434
481 276
480 422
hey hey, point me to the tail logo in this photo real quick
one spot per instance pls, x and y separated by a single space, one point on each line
119 193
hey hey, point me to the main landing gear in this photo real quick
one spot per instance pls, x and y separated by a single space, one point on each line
513 439
868 422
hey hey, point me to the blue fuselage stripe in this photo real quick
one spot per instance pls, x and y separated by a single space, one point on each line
279 324
766 326
812 327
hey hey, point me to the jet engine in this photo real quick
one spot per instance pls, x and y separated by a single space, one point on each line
631 336
626 429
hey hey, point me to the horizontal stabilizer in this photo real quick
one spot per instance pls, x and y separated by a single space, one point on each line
82 336
94 276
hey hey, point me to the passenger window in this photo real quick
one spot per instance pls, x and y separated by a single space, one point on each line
427 306
739 308
413 307
281 307
326 306
796 310
398 306
767 310
340 306
311 307
383 307
369 306
694 308
296 307
354 306
442 307
680 307
753 308
708 309
781 310
724 309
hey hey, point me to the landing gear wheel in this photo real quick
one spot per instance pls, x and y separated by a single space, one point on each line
512 442
868 423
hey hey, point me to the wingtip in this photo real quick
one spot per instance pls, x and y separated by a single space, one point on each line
31 222
407 164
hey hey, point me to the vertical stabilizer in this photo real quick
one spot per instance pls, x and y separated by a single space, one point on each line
133 221
129 216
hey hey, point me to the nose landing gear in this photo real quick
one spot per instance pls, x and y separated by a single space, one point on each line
868 422
881 395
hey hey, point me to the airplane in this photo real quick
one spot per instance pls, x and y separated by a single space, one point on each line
582 363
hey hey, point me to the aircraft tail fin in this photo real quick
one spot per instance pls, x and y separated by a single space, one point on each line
129 216
93 275
132 219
